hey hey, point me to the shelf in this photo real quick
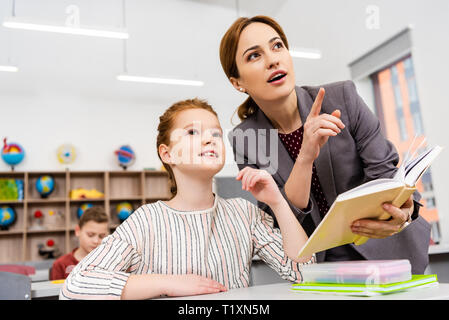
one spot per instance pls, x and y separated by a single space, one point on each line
13 174
10 232
86 200
59 190
59 219
130 198
124 173
153 199
29 231
45 201
155 173
6 202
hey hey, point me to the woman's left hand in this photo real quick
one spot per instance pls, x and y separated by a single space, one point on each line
379 229
261 185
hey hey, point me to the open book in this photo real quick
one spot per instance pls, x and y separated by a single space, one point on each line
365 202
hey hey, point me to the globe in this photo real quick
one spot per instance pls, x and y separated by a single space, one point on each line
83 208
66 154
45 185
125 156
12 153
124 210
7 217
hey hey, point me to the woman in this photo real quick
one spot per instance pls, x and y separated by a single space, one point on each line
327 142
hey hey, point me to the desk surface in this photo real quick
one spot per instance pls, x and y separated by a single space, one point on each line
281 291
277 291
45 289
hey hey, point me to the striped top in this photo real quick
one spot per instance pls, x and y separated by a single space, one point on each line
217 243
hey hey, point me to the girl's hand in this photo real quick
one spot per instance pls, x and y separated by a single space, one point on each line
318 128
380 229
191 284
261 184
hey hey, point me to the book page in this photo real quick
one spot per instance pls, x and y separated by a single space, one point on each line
416 169
370 187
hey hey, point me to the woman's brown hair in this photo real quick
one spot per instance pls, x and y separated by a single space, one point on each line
166 122
228 51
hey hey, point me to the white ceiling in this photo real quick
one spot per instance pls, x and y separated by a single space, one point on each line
180 39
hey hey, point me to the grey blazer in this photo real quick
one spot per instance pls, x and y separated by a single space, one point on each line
358 154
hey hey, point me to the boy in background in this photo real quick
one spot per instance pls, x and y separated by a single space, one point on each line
91 229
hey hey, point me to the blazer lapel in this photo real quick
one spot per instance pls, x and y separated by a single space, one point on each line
323 163
284 161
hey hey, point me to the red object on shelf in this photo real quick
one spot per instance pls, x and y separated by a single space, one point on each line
50 243
38 214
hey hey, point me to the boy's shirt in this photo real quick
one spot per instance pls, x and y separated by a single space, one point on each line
63 266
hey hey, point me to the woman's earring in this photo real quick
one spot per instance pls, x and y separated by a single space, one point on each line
242 90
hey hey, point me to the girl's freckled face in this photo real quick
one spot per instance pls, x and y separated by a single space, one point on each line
197 140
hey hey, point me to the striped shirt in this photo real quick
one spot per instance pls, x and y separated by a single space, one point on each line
218 243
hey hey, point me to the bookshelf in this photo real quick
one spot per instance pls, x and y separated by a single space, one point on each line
20 242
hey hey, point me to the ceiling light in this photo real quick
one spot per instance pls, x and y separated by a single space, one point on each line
160 80
9 68
15 23
306 53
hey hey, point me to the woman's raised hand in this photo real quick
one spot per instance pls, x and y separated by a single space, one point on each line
261 185
318 128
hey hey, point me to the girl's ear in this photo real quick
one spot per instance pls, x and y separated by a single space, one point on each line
164 152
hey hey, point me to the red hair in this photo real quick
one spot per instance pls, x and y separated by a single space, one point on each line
166 122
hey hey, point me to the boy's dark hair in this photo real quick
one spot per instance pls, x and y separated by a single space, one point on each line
97 214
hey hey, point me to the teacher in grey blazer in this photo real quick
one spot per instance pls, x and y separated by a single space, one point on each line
316 142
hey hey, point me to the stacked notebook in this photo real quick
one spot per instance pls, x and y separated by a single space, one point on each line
361 278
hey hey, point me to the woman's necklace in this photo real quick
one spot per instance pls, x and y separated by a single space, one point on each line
297 125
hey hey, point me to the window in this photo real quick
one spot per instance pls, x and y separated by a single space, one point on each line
398 109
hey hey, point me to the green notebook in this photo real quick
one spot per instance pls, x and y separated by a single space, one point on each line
366 289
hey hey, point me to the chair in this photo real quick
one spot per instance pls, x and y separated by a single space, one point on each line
14 286
228 187
18 268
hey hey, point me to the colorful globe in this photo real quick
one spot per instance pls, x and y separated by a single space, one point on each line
12 153
7 217
45 185
125 156
124 210
83 208
66 154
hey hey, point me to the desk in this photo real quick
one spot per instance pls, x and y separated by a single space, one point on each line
281 291
45 289
277 291
40 275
